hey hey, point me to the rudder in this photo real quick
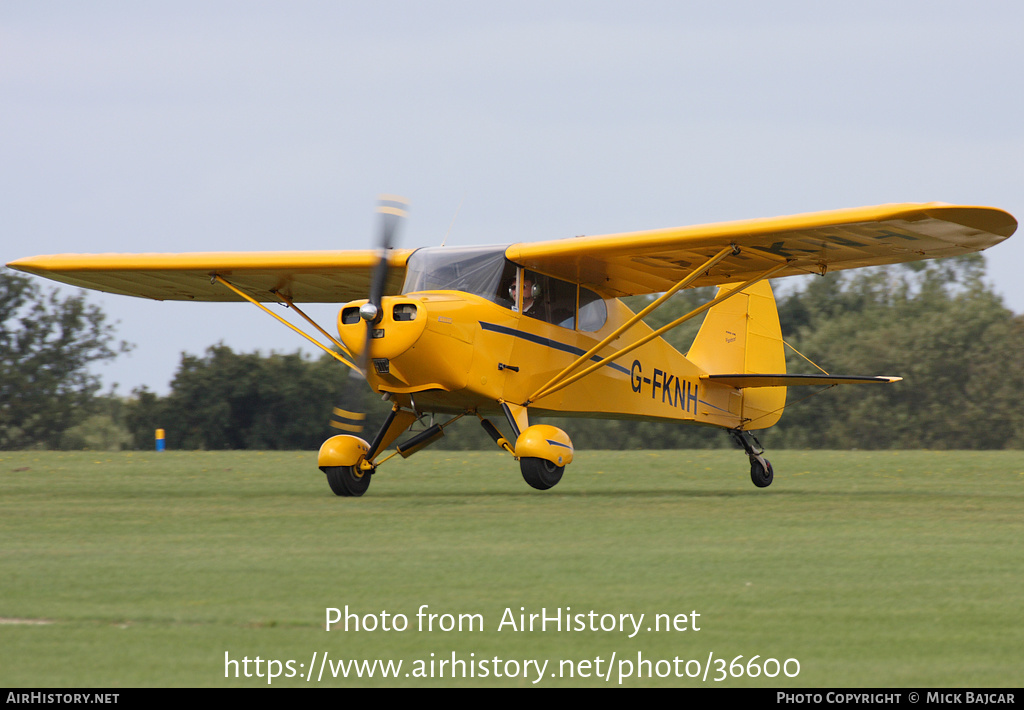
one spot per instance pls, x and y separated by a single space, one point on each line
742 335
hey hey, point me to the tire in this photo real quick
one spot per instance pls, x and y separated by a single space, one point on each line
348 481
761 475
540 473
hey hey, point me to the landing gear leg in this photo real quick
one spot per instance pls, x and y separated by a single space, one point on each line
348 460
761 473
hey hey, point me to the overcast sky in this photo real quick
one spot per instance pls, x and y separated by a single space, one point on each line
194 126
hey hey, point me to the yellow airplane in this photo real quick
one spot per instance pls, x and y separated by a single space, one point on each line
512 333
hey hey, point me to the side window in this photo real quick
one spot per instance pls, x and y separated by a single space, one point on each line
548 299
593 311
555 301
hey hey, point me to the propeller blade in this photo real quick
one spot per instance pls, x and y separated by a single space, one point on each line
392 210
349 416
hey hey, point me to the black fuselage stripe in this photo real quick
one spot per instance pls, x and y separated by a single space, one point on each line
547 342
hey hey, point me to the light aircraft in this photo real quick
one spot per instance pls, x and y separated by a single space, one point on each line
512 333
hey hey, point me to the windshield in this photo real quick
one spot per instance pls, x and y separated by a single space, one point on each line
484 272
477 270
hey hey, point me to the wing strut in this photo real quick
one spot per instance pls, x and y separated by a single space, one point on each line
250 299
635 319
313 323
561 380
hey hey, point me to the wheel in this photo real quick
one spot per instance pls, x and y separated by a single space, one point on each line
761 473
347 480
540 473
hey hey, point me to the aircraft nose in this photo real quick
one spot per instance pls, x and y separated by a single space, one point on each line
395 328
368 312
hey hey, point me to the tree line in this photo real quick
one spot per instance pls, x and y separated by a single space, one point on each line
937 324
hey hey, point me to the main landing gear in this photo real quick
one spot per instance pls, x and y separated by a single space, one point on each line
349 462
347 480
540 473
761 473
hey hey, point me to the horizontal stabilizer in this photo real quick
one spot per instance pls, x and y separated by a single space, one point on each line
754 380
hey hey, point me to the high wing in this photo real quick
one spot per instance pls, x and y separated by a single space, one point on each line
301 276
615 265
653 261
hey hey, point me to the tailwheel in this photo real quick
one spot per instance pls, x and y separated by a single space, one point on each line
540 473
761 472
348 481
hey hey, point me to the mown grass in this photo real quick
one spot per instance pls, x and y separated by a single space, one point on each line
870 568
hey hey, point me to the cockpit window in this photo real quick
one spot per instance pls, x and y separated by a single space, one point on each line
484 272
477 270
549 299
563 303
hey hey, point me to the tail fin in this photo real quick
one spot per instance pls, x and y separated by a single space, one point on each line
742 335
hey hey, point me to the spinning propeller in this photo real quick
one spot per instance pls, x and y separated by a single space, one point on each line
349 416
392 210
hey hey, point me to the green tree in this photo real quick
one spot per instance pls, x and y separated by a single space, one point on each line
937 325
47 343
229 400
103 430
144 412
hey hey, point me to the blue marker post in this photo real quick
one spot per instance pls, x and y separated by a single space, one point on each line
160 442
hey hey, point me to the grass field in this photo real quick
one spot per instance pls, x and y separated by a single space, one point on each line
888 569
